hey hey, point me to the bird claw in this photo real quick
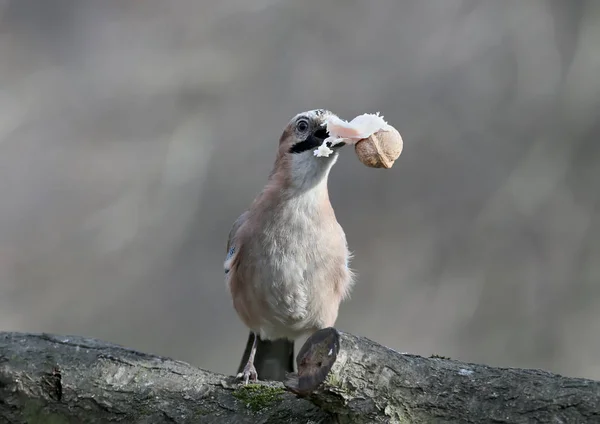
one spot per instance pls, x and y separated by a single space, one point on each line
248 374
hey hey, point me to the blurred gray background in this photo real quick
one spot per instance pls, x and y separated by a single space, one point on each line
133 133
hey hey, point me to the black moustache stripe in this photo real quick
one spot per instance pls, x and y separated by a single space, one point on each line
311 142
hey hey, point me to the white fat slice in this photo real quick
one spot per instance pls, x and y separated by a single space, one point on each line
361 127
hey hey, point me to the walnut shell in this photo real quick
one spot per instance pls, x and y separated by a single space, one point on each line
381 149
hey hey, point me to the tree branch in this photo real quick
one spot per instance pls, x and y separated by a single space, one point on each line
341 378
361 381
54 379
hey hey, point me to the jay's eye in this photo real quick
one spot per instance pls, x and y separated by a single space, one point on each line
302 125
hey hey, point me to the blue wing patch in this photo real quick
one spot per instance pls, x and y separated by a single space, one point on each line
229 255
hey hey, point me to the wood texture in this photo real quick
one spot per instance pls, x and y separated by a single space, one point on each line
341 379
47 379
363 382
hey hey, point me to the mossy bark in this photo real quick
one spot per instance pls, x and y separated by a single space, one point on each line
46 379
341 379
360 381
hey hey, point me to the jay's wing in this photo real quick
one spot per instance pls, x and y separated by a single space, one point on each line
274 359
231 247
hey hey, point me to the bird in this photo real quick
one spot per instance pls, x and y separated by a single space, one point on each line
287 265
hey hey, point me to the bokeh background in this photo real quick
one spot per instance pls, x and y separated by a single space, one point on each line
133 133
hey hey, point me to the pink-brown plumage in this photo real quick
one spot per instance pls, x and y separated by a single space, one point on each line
287 267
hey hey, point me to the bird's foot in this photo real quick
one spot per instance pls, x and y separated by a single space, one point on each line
249 373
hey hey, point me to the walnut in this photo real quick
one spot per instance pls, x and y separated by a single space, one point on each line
381 149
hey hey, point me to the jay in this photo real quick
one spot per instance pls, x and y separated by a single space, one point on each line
287 258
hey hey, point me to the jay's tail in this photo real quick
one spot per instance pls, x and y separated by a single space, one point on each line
273 358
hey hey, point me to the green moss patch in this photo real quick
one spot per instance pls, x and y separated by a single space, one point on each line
35 414
257 397
435 355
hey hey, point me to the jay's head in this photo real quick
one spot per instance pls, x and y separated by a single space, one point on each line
303 134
